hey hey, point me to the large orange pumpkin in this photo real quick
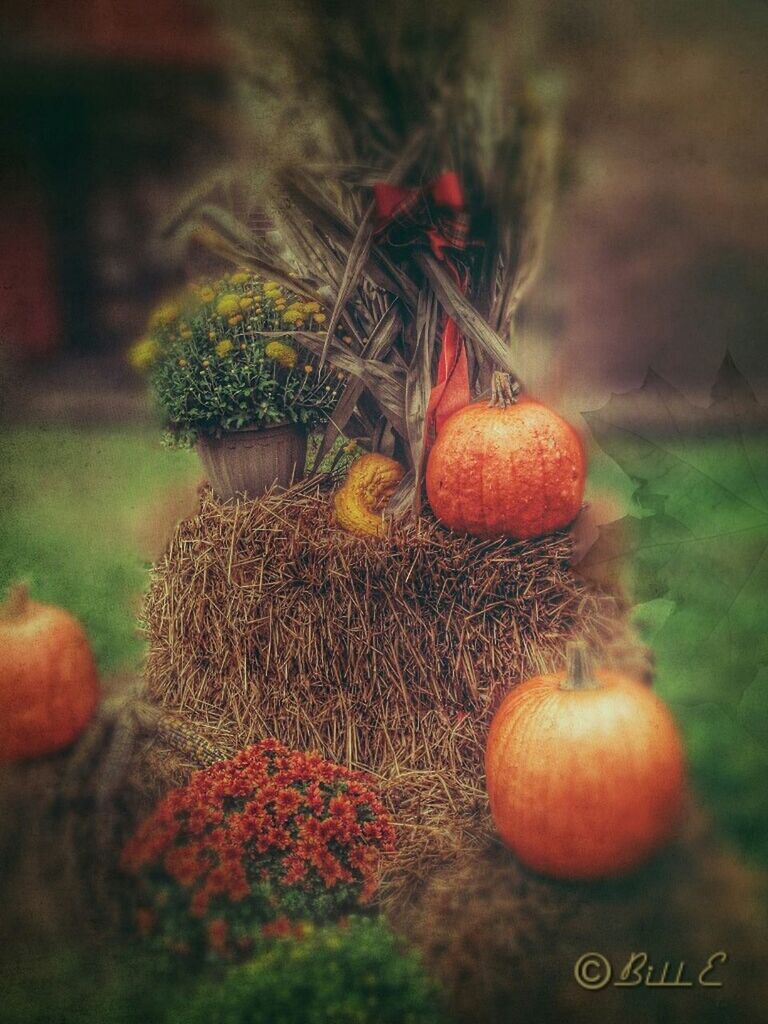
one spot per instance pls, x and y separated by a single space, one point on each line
511 467
585 772
48 681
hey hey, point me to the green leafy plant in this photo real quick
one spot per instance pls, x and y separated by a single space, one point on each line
357 974
224 356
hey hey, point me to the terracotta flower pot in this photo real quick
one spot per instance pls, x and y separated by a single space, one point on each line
250 461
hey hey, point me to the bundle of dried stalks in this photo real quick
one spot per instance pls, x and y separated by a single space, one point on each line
336 97
387 655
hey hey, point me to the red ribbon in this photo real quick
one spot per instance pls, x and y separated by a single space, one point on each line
405 218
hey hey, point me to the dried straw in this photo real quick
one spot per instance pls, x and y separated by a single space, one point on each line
504 942
386 655
65 818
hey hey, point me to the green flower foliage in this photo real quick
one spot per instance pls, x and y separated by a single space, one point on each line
358 974
224 357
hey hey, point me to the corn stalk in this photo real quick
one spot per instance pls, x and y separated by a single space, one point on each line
383 93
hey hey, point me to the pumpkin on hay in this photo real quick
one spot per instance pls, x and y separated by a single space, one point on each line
370 483
49 685
585 772
511 467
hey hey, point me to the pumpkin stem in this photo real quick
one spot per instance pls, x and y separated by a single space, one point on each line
15 605
505 390
580 673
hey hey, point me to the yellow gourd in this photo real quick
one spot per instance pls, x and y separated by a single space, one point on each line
370 483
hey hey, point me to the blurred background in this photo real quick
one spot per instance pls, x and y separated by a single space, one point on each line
657 256
657 251
109 109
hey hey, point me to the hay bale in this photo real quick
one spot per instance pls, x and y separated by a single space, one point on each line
387 655
65 818
504 942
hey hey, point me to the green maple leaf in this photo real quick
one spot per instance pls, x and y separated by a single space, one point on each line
693 554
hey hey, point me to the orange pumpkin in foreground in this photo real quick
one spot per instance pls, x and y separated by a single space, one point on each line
511 467
585 772
48 682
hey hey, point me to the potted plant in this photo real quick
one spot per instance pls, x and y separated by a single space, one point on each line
231 379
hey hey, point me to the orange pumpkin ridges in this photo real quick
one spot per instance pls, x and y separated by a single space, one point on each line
584 771
511 467
49 685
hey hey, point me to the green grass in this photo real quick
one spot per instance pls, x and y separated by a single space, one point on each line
74 501
73 505
702 571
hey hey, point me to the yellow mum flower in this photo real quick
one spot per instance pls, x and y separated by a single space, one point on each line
308 368
143 354
240 277
282 354
319 318
164 315
293 315
311 307
228 304
246 303
207 293
234 320
224 348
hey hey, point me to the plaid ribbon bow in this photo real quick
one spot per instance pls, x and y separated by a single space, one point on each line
436 216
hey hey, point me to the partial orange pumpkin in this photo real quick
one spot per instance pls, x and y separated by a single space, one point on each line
511 467
585 772
49 685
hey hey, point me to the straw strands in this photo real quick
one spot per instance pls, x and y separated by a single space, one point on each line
504 942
